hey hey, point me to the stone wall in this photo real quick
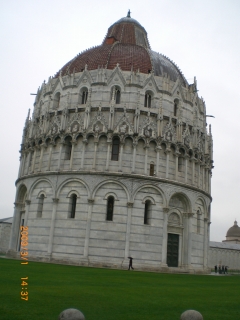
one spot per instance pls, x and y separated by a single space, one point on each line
5 231
223 253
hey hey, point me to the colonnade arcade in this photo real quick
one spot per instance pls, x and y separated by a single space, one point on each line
179 215
186 166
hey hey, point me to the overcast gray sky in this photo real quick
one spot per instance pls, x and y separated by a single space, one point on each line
201 37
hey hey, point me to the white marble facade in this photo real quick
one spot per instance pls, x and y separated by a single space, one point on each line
163 157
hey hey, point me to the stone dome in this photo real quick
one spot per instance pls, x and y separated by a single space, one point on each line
234 231
126 43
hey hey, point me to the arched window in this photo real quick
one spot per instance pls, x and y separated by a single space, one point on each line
198 222
151 173
73 204
110 207
68 148
147 212
84 96
175 108
56 101
40 206
148 100
117 96
115 148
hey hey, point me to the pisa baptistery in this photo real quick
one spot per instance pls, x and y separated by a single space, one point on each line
116 161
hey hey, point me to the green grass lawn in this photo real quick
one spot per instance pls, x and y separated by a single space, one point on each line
103 294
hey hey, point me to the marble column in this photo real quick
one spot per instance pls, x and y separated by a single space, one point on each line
23 163
60 156
193 171
34 160
88 228
146 159
176 167
134 157
51 234
28 160
94 155
167 161
72 155
209 181
199 174
27 205
157 162
120 157
206 244
49 157
185 240
186 170
128 229
83 153
165 237
109 144
20 167
41 157
190 215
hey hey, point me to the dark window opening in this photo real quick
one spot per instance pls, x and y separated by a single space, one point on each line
110 206
175 109
40 206
147 212
84 96
115 149
147 101
117 96
151 170
73 205
198 222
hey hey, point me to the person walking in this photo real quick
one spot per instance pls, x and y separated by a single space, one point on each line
130 263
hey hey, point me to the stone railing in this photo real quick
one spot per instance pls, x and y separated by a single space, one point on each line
74 314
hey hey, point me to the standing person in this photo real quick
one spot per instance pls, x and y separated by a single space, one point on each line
215 268
130 263
223 270
226 269
219 269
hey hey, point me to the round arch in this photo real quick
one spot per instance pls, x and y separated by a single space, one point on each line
154 187
71 180
38 181
111 181
184 198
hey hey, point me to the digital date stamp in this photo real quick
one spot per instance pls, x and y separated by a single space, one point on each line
23 255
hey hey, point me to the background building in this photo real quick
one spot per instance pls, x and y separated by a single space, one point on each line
117 161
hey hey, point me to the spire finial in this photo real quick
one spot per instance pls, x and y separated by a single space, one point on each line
129 14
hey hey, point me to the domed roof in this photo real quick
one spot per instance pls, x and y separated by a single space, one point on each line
234 231
126 44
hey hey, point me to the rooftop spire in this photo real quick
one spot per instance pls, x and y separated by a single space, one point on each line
129 14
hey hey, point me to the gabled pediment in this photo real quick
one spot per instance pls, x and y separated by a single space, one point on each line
177 90
117 77
150 83
85 78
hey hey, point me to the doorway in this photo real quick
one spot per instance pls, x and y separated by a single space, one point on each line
172 250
